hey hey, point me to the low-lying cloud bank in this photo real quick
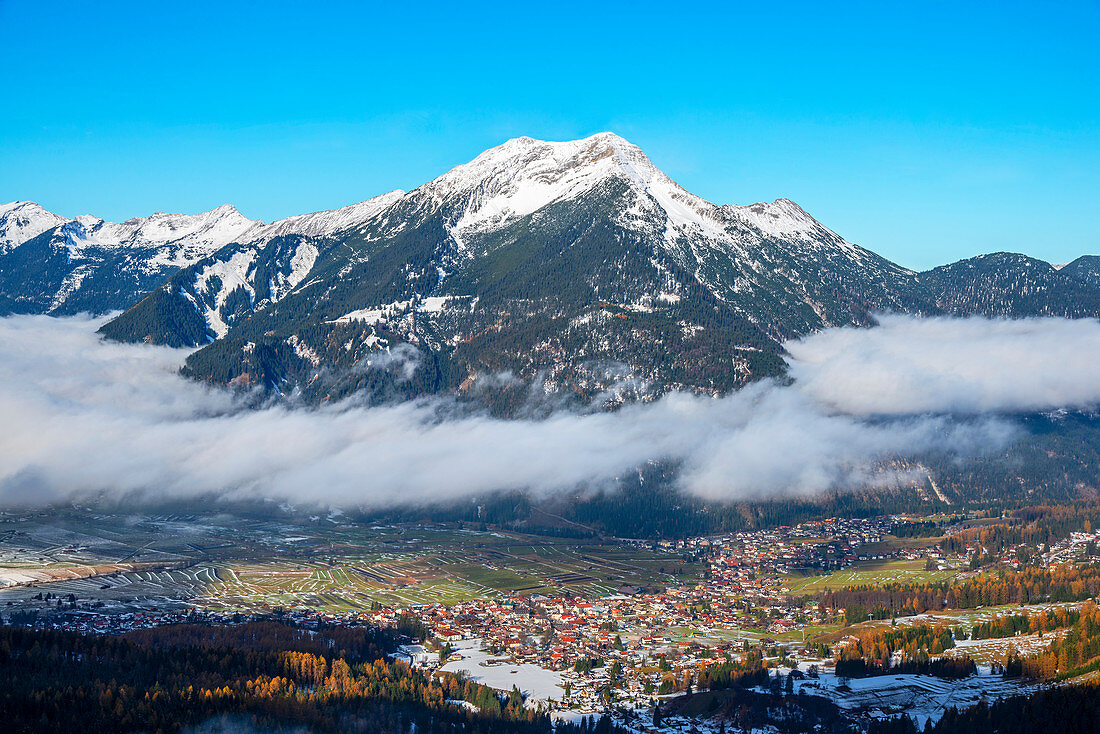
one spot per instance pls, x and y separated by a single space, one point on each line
965 366
80 417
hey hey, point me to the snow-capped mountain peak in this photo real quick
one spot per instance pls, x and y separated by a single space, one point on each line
22 220
523 175
177 239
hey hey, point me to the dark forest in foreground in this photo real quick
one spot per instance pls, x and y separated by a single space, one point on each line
163 679
272 676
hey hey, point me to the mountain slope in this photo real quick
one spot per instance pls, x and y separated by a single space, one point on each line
202 301
1010 285
573 269
1085 268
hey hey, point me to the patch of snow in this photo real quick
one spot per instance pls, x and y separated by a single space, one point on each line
689 330
433 304
233 274
11 577
464 704
535 682
923 697
369 315
384 312
303 350
300 265
373 342
71 283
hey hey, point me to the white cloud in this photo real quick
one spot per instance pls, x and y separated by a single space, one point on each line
974 365
81 417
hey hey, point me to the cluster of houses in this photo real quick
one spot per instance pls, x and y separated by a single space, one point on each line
1077 547
810 547
630 648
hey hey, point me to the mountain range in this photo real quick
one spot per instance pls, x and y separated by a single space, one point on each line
576 270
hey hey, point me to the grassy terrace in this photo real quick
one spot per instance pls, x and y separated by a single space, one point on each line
900 571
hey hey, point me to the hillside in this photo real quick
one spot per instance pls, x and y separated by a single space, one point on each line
1011 285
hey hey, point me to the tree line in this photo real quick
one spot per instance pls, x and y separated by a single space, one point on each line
900 649
1061 583
1072 653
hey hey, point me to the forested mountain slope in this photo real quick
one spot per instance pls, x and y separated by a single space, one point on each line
1012 285
1085 268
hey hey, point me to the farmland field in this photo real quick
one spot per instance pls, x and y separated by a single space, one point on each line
329 564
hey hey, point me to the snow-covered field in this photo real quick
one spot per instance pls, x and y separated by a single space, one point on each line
922 697
535 682
997 649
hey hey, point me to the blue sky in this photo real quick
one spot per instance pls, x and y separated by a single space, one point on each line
927 132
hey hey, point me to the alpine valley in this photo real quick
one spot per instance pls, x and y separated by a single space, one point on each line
576 270
577 522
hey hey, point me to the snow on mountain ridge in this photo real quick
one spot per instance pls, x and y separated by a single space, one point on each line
143 250
518 178
23 220
523 175
780 218
503 183
179 238
499 186
317 224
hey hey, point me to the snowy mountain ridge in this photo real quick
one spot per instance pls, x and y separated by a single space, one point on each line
504 183
205 232
577 267
87 263
179 239
323 223
524 175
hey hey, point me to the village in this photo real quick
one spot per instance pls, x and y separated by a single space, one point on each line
754 601
630 648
